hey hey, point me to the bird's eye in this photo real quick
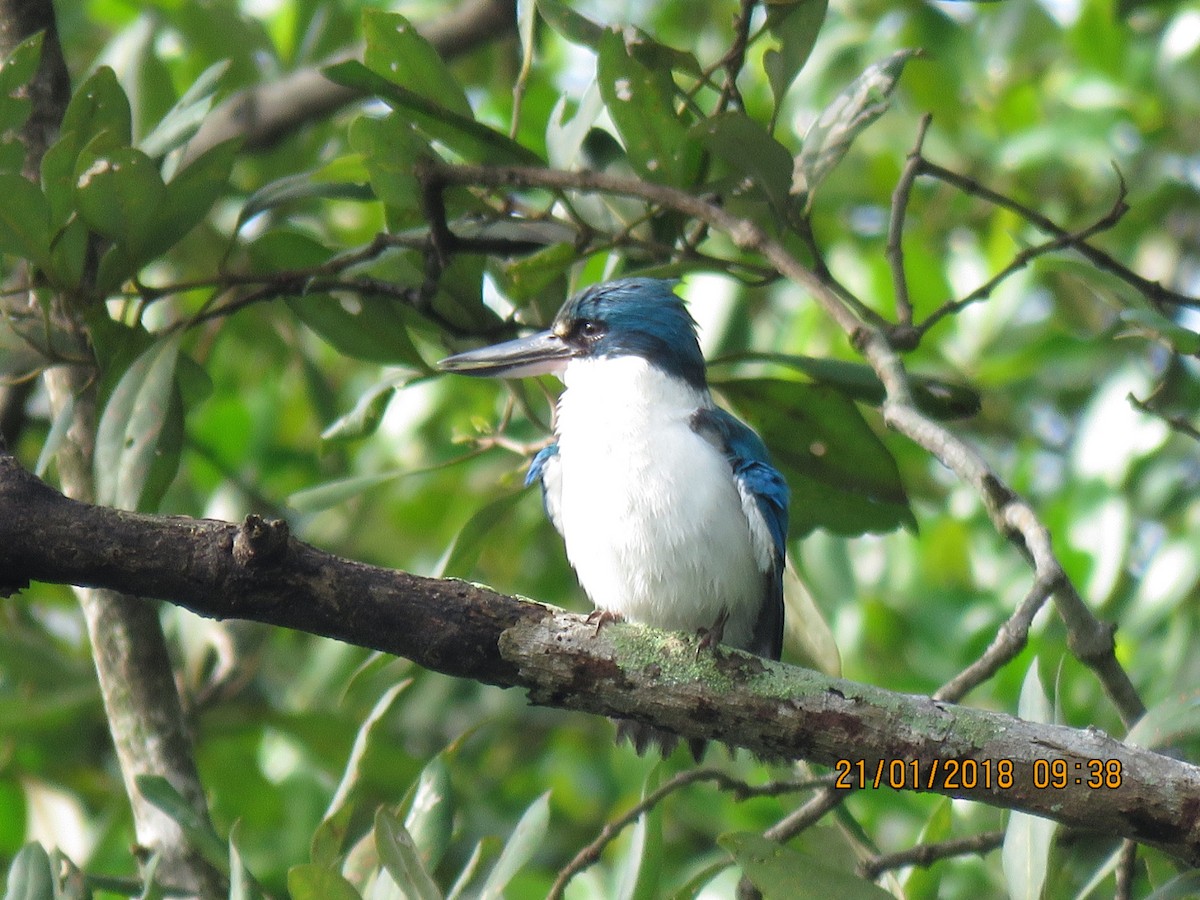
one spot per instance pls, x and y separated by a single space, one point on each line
590 330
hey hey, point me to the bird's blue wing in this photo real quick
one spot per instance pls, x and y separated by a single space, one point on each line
544 469
765 497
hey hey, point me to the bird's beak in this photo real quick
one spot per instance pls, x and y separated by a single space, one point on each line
539 354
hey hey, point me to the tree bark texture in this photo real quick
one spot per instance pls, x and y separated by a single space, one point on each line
872 737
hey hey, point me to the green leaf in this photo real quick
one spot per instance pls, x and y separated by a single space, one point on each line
30 876
572 26
641 102
15 73
55 437
842 476
98 105
1171 721
242 885
749 150
1149 323
461 555
829 137
308 881
192 192
20 65
365 327
391 147
472 140
1185 886
362 743
782 873
795 26
924 882
311 882
295 188
363 420
162 794
401 859
524 841
140 431
121 195
642 866
184 119
1027 838
430 818
24 220
334 493
397 51
529 276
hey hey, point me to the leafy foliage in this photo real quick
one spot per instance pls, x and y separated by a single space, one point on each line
261 326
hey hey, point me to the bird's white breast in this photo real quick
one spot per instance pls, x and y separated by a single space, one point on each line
651 516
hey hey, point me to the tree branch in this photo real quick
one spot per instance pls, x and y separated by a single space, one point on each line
874 737
264 114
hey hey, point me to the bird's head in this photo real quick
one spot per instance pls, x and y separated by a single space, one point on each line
628 317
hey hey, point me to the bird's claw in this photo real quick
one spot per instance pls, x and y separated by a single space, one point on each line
713 635
602 617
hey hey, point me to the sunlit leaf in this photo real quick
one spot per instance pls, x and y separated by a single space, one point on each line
334 493
163 794
641 869
641 102
795 26
473 140
367 413
524 841
430 818
828 139
362 742
30 876
935 397
138 438
296 188
397 51
1028 838
183 120
402 859
576 28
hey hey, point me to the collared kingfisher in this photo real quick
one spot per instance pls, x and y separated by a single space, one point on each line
670 509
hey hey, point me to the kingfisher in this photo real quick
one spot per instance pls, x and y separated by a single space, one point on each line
669 507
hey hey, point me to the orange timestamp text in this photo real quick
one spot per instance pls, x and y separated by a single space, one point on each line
974 774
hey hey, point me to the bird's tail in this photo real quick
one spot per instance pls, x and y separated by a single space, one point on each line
642 737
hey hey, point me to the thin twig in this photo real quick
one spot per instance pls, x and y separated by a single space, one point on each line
1026 256
723 782
895 246
1009 641
1175 423
1152 290
925 855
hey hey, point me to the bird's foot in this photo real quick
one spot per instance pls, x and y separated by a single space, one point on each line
602 617
711 636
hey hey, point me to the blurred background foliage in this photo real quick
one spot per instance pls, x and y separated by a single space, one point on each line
326 412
